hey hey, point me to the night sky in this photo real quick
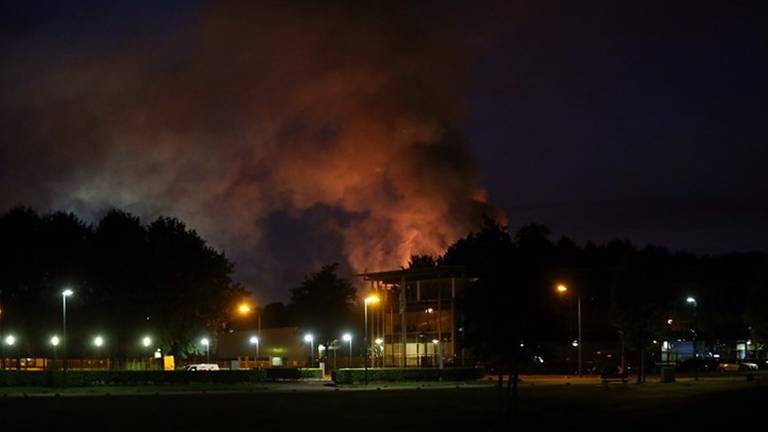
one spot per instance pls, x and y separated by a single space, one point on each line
294 136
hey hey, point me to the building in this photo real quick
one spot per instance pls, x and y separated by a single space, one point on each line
415 323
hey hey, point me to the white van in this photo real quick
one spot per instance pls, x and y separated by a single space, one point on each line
203 367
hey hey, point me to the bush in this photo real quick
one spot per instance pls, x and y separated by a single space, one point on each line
350 376
126 377
274 374
314 373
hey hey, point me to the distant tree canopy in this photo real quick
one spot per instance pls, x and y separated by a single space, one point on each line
323 304
129 279
624 289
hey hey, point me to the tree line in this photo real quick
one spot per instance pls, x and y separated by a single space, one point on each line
129 280
161 278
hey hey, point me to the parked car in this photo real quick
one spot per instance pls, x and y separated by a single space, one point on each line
762 364
203 367
737 366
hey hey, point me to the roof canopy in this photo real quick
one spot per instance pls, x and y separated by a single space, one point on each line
396 277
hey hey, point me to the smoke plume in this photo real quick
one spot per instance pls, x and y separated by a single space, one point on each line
343 113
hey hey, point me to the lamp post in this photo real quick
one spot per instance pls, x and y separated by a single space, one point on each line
254 340
692 301
562 289
207 344
311 341
10 340
371 299
2 354
55 344
146 342
348 338
64 294
98 342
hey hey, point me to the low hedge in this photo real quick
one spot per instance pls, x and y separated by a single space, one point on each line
278 374
357 375
313 373
128 377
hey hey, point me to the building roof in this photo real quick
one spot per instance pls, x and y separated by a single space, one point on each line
416 274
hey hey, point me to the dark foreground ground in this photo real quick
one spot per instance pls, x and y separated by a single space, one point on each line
702 405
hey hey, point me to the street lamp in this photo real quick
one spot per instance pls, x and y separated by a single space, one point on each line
55 344
64 294
562 289
311 341
254 340
244 309
348 338
98 342
207 344
10 340
692 301
146 342
371 299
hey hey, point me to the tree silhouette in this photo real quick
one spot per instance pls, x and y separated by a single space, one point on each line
323 304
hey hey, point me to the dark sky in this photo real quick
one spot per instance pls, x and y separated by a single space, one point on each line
296 136
648 123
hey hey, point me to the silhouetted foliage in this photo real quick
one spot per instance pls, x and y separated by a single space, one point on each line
130 279
276 315
421 261
323 304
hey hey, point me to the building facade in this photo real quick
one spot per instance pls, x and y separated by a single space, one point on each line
415 324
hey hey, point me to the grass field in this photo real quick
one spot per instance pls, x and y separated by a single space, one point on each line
702 404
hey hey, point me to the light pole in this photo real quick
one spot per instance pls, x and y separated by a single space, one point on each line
371 299
64 294
98 342
311 340
55 343
146 341
2 354
10 340
562 289
255 341
348 338
207 344
692 301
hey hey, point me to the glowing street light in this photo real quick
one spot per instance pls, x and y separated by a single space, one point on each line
207 344
562 289
254 340
98 341
692 301
64 294
55 341
10 340
348 338
371 299
244 309
308 338
146 341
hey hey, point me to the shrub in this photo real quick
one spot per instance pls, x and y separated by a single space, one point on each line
314 373
350 376
275 374
126 377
